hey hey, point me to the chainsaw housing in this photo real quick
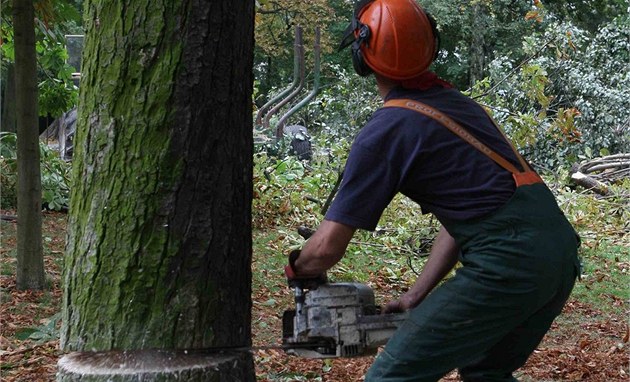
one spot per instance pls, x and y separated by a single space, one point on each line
337 320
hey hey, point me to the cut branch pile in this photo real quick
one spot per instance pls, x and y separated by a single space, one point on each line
596 174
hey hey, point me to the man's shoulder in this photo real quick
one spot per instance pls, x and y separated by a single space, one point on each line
388 122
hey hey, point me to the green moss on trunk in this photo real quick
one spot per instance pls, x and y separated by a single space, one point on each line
159 248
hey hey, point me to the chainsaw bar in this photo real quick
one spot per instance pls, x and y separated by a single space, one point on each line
227 349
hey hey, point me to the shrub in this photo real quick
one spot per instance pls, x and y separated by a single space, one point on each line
54 172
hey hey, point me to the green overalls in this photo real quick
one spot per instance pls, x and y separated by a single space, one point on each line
519 267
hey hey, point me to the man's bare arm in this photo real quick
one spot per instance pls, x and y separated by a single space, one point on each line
443 257
324 249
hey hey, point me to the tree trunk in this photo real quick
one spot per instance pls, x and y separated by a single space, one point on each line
30 260
159 247
477 53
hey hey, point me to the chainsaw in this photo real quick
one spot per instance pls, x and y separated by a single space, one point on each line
337 320
332 320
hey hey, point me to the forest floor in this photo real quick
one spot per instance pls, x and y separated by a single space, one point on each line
588 342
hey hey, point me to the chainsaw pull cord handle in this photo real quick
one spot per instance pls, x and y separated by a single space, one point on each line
521 178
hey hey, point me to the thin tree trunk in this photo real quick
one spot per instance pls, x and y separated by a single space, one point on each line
477 47
30 260
159 248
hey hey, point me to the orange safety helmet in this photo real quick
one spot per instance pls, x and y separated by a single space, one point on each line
394 38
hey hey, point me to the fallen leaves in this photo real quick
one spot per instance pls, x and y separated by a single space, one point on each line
585 344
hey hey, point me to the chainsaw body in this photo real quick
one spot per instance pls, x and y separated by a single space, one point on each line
337 320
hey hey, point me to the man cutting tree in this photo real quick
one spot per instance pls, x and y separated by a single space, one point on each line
442 150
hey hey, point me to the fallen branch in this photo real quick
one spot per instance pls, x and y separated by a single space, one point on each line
9 218
589 183
596 174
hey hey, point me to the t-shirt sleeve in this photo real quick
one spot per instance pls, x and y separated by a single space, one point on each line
368 186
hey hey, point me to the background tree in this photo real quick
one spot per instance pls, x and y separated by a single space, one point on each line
473 32
159 248
56 91
30 258
570 101
275 24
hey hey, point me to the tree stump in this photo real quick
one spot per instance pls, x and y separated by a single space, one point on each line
154 365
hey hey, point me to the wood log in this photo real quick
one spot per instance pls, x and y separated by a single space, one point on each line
589 183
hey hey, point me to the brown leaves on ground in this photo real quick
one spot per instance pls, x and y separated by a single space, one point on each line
594 347
584 345
29 360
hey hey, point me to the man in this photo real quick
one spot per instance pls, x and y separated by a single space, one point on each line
436 146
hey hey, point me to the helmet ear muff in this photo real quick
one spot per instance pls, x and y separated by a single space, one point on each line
355 41
358 62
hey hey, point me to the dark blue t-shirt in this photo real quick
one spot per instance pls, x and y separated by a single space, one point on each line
401 150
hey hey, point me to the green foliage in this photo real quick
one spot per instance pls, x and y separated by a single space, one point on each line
473 32
343 106
285 190
570 100
604 226
55 179
274 30
57 92
588 15
43 333
55 174
8 170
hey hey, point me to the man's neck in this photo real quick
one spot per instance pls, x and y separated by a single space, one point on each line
385 85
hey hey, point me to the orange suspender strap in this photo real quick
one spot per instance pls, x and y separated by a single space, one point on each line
520 158
527 176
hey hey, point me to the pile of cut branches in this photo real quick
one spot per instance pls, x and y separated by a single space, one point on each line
596 174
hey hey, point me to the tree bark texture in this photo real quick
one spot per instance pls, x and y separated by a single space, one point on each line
159 247
30 258
477 51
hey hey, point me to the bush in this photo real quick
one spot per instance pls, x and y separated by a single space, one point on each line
570 101
8 170
55 175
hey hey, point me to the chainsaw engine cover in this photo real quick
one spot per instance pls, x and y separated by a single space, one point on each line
338 320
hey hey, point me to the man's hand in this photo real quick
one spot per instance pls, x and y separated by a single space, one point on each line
401 305
296 280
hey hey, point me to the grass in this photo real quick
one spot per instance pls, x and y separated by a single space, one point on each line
386 260
604 281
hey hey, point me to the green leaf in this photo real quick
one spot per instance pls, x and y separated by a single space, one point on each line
25 334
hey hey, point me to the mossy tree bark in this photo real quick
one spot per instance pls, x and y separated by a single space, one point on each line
159 247
30 257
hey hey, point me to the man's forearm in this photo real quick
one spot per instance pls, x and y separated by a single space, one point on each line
443 257
324 249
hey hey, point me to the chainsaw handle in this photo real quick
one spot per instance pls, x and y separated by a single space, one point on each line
307 282
296 281
305 232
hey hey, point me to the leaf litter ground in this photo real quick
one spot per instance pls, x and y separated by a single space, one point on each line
584 344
